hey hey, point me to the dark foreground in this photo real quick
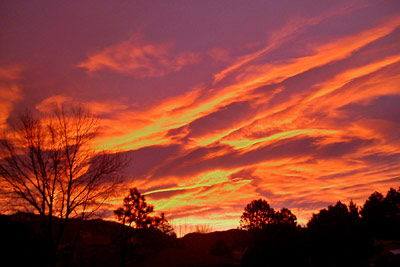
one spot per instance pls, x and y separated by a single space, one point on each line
103 243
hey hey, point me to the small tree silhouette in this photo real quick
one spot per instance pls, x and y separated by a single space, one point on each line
257 214
135 210
285 216
136 213
162 224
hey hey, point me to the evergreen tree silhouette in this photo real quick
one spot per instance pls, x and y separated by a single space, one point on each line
135 210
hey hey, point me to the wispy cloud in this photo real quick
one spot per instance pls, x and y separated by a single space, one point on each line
302 129
9 91
288 32
140 58
297 132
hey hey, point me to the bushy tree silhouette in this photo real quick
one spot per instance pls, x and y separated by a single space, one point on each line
258 214
382 214
285 216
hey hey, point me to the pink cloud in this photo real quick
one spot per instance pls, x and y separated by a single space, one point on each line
97 107
140 58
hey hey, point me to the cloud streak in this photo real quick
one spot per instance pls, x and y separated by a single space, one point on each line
302 113
297 143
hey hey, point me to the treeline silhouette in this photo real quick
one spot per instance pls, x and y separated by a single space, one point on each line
339 235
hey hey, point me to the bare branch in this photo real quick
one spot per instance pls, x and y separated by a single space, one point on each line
49 163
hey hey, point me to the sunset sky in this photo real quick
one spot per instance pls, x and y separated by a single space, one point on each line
220 102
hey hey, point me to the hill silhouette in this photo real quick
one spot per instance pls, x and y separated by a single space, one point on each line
338 235
98 243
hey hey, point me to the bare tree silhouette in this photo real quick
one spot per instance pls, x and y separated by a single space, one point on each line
49 166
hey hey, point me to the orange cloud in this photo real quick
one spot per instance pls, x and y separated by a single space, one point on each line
289 31
9 91
335 168
273 130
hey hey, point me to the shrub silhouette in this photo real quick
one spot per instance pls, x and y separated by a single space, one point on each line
203 229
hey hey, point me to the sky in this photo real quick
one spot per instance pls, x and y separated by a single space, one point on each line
221 102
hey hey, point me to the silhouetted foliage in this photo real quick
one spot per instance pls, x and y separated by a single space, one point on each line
161 223
338 238
136 213
285 216
277 239
258 214
382 214
135 210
